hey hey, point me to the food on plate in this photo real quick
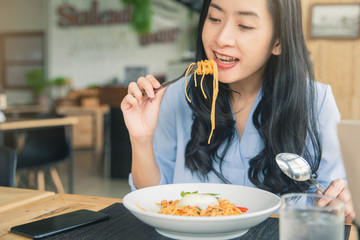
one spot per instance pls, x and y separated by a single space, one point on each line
201 201
200 204
205 67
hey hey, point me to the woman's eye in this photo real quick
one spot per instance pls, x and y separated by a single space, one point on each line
246 27
213 19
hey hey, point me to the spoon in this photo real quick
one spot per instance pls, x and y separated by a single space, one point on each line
297 168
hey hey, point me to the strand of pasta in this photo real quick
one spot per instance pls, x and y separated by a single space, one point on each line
205 67
215 94
188 70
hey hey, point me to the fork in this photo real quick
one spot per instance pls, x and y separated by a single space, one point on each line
168 83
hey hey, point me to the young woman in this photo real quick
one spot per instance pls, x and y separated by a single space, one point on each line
268 103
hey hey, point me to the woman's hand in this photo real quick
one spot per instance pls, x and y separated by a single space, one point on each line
338 188
141 112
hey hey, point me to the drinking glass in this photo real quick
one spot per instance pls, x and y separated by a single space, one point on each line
301 217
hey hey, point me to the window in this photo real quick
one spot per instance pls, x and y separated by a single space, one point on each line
20 53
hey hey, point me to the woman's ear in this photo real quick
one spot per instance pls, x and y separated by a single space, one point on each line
277 48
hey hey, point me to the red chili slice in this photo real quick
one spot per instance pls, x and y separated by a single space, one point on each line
243 209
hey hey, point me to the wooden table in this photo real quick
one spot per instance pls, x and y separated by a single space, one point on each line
14 197
46 205
18 124
38 205
24 109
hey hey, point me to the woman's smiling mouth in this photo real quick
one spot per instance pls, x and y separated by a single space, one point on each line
225 59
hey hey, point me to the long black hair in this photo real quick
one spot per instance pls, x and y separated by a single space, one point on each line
285 117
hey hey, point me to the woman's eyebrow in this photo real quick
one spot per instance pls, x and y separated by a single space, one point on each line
247 13
242 13
217 7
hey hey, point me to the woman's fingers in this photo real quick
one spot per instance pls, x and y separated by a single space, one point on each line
349 212
148 84
129 102
135 90
345 194
335 187
339 189
154 82
349 208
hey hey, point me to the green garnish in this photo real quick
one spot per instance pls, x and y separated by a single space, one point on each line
185 193
212 194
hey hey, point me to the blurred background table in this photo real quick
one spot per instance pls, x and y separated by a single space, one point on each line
12 124
16 111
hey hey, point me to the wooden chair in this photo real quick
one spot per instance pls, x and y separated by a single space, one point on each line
7 167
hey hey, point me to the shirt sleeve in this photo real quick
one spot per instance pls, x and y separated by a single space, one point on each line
331 165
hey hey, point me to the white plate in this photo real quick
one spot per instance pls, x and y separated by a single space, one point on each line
261 205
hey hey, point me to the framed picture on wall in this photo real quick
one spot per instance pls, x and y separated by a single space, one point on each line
133 73
341 21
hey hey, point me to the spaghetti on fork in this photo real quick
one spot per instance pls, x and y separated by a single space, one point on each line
205 67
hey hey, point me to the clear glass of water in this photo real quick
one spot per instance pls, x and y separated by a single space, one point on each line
301 217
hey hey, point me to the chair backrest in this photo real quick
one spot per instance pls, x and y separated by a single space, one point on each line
349 138
44 146
7 167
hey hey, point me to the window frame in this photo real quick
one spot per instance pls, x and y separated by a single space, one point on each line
5 64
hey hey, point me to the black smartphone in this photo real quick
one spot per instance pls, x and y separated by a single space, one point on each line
57 224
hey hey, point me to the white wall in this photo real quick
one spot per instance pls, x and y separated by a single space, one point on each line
23 15
98 54
95 54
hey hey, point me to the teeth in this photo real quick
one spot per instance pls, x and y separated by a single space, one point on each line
225 59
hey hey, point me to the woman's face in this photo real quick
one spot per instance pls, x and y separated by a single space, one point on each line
238 35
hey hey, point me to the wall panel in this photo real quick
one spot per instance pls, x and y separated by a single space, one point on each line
336 62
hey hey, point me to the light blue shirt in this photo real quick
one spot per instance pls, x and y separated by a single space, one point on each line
174 129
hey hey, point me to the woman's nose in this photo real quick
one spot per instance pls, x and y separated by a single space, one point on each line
225 36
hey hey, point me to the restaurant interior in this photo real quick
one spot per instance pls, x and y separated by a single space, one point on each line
75 59
65 66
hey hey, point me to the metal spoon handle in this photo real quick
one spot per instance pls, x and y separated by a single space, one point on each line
318 185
